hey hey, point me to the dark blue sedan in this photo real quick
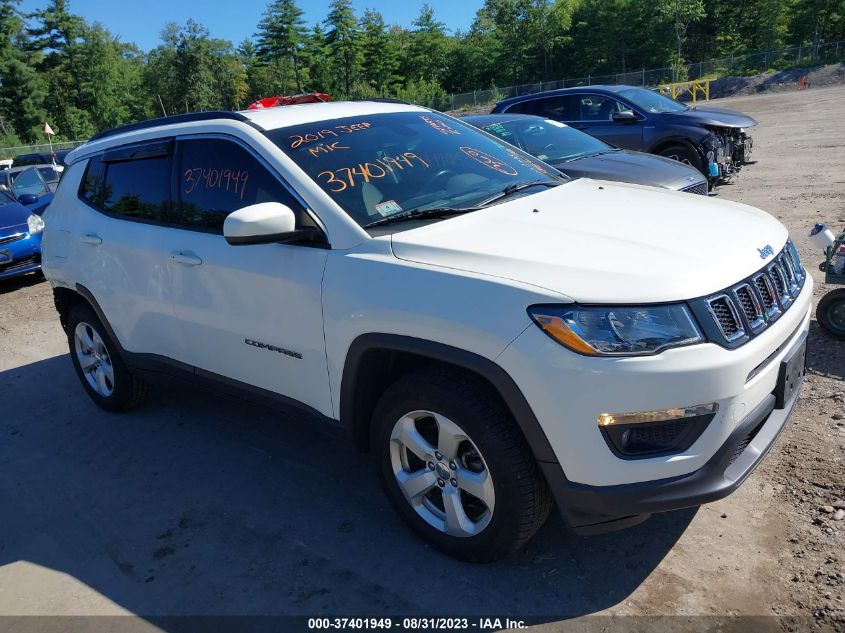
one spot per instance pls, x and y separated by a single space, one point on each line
713 140
20 238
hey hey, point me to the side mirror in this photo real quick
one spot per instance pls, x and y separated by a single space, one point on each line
27 199
264 223
626 116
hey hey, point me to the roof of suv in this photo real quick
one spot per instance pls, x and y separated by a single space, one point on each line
265 120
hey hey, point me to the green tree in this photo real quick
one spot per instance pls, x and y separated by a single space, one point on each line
342 43
22 88
681 13
280 36
56 35
429 47
109 79
379 52
317 61
817 21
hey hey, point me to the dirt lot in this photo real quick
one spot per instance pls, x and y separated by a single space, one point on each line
200 505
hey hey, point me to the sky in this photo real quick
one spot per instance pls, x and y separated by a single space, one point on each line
141 21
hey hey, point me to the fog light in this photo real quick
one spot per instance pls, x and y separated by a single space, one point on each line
659 415
654 433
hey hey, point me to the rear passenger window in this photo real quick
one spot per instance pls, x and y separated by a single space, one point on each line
557 108
136 189
139 189
217 177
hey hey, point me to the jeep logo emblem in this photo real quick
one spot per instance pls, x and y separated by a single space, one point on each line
766 251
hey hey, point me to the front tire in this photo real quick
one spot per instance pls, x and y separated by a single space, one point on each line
96 359
685 155
830 313
456 467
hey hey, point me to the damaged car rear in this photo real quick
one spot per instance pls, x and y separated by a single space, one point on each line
713 140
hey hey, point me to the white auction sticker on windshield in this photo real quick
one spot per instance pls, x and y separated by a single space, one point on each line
388 207
557 123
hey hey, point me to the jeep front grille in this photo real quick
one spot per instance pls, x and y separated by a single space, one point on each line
726 316
751 306
737 314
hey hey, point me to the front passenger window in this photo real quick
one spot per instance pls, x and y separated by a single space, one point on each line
217 177
599 108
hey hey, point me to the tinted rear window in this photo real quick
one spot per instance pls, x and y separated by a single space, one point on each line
137 189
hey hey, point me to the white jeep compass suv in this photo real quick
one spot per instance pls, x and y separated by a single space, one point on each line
502 338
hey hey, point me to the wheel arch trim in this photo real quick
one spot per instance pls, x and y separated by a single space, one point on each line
514 400
88 296
668 141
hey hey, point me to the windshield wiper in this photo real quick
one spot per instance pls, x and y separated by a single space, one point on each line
514 188
441 212
419 214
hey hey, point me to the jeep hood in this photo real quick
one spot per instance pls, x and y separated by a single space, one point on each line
597 242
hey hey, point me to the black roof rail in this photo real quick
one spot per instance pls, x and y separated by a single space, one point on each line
168 120
383 100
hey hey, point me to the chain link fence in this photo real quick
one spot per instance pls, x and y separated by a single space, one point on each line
42 148
650 78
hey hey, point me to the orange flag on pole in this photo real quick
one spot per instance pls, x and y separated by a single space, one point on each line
48 130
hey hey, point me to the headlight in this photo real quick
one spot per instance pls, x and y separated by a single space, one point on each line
35 223
622 331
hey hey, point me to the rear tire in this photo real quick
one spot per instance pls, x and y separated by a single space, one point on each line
443 433
98 364
685 155
830 313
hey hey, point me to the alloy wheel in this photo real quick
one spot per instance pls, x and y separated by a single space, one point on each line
441 473
94 359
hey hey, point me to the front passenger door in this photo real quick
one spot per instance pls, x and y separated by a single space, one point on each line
249 313
595 117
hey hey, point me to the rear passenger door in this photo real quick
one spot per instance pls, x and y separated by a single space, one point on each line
123 240
249 313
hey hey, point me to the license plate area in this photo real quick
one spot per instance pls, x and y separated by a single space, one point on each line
5 257
791 374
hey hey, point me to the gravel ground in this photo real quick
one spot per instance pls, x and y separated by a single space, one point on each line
199 505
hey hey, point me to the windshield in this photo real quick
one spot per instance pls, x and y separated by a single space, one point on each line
651 101
550 141
379 165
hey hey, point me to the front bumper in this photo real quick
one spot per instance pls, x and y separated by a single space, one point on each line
599 509
596 489
21 256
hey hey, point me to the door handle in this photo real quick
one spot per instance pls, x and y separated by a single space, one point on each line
91 238
186 258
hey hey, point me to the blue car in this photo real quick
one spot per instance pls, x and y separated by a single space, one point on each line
20 238
713 140
32 186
